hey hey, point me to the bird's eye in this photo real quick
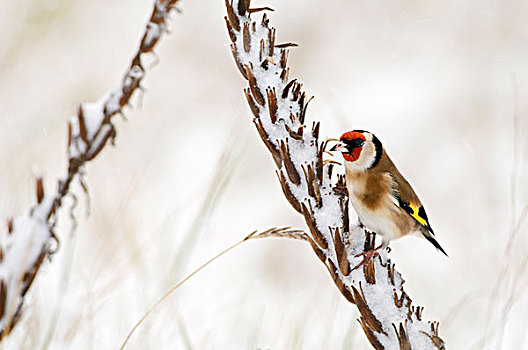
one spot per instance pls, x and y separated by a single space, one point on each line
358 142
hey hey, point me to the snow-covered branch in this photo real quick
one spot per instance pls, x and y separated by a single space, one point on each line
30 237
279 108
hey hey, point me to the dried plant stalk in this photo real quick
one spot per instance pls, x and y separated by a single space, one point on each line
30 237
281 232
279 109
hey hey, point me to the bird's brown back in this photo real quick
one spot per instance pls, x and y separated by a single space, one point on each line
403 187
376 183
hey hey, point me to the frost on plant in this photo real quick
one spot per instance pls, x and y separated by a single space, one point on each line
279 106
30 238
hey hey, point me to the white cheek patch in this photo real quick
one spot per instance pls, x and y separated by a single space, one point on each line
366 158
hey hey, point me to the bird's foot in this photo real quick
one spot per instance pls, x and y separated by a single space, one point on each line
367 256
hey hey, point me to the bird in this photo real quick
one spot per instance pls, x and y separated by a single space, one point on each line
383 199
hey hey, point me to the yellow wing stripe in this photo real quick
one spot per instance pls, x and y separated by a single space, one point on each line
415 215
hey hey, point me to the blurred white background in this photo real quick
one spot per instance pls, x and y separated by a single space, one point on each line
436 81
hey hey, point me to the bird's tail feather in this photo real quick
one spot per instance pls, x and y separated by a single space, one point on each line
433 241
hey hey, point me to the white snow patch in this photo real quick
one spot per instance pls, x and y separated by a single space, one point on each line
21 249
153 32
93 114
134 73
112 102
77 145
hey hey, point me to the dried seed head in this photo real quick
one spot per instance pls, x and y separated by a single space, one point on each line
418 312
312 184
369 272
285 74
258 9
241 69
252 105
97 147
271 41
69 134
265 20
301 100
293 133
272 104
293 175
230 31
373 339
242 7
261 50
282 232
318 251
40 190
233 18
3 298
82 126
284 57
285 45
330 170
270 145
288 193
346 293
254 87
342 257
346 217
296 90
10 225
303 110
312 225
371 320
390 273
300 131
403 339
246 37
287 88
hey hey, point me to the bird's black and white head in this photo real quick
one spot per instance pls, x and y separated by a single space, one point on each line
361 150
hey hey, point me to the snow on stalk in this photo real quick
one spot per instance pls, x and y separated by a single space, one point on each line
279 108
30 237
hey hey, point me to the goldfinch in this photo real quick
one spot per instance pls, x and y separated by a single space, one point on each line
383 200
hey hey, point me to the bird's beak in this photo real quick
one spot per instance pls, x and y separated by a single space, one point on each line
339 147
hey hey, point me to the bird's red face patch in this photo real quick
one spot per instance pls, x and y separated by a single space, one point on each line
356 152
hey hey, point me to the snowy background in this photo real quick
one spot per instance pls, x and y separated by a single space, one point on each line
436 82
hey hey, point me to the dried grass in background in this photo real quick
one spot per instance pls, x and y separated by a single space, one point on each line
277 232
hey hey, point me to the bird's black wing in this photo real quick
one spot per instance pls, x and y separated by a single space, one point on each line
419 215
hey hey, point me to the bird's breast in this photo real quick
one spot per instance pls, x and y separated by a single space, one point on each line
371 197
369 190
